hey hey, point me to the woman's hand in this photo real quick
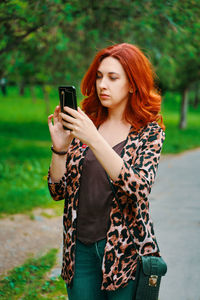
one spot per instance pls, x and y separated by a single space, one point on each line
60 137
84 129
80 125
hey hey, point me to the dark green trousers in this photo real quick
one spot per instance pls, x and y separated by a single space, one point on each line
88 276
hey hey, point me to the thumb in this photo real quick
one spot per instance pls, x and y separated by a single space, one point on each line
81 111
50 122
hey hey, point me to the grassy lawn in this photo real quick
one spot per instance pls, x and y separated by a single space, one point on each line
25 147
179 140
30 281
24 153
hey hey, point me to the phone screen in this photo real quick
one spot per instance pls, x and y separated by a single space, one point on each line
67 96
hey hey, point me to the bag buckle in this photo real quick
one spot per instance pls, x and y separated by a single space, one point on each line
153 280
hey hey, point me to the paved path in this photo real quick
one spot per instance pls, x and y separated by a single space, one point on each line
175 210
22 237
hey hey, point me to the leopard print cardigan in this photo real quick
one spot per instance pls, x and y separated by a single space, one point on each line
141 156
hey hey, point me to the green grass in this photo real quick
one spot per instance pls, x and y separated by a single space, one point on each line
25 147
24 153
179 140
30 280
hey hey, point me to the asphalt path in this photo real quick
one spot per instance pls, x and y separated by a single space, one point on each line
175 210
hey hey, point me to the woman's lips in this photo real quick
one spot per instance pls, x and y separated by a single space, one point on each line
104 96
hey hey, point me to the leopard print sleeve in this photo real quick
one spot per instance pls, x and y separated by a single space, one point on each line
57 189
138 173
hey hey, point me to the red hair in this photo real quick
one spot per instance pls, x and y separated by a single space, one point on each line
144 103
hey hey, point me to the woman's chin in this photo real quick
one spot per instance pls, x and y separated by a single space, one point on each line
104 104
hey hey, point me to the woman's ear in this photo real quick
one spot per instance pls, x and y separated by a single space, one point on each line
131 90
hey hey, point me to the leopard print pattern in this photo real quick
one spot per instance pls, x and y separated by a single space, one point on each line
141 156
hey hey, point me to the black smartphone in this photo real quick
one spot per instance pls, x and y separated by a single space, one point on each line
67 95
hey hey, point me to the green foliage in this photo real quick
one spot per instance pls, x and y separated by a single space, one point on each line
28 281
53 41
179 65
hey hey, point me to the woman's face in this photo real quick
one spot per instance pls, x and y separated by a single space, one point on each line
112 83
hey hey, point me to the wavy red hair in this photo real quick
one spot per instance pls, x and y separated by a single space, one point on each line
144 103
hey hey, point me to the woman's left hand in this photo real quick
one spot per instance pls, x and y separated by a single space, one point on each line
80 125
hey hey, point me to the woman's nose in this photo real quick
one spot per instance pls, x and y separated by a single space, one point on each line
102 83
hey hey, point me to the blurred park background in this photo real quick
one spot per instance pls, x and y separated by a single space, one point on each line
47 43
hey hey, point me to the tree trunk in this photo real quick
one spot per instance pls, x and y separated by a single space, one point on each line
197 98
21 88
184 106
46 99
32 90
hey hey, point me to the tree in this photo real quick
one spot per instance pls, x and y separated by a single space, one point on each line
183 52
52 41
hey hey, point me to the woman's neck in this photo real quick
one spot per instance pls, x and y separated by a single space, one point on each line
115 115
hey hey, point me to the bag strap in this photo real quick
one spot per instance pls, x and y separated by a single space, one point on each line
116 197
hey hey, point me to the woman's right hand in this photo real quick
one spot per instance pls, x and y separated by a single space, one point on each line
60 137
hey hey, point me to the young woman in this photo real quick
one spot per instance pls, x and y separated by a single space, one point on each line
117 133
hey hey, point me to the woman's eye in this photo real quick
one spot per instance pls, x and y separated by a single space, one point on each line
113 78
98 76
